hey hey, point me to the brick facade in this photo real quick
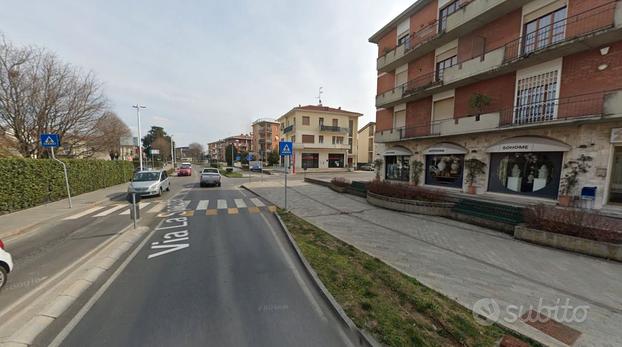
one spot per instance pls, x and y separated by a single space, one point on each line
491 36
387 43
384 119
499 89
385 83
418 114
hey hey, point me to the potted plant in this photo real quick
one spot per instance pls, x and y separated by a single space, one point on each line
478 101
377 165
569 182
475 168
417 170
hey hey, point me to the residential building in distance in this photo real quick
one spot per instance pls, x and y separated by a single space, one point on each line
215 150
266 137
323 137
365 143
523 86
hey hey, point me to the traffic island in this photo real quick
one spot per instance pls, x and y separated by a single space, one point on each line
396 309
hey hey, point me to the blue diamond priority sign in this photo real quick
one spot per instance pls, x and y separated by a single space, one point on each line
285 148
50 140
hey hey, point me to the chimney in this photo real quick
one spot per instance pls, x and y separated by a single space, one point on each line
339 108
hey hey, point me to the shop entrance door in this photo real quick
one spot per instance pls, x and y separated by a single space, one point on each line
615 187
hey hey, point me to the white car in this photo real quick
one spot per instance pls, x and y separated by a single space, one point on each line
152 182
6 264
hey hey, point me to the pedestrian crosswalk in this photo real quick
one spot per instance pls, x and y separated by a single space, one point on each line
188 208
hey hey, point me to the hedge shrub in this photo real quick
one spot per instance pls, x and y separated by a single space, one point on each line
30 182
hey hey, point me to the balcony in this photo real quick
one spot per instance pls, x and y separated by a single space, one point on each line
321 146
333 129
288 129
593 107
470 15
593 28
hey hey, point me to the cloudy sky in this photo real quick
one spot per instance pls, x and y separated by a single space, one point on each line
207 69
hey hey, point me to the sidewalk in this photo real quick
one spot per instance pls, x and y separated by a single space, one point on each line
469 263
16 223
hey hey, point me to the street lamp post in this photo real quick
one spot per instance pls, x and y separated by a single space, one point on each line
140 142
172 152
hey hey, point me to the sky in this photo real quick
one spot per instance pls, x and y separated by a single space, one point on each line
206 69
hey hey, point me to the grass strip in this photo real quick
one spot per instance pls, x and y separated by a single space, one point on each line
395 308
232 174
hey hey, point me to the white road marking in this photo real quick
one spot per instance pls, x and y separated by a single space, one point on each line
257 202
110 210
202 205
222 204
157 208
239 203
141 205
84 213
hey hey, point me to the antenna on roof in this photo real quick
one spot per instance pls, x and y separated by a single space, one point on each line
319 96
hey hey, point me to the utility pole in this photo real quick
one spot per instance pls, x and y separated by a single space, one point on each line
172 152
140 140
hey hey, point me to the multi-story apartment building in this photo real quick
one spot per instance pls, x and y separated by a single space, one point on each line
215 150
525 86
265 137
323 136
365 143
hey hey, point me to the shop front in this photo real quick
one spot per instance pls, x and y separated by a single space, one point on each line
335 160
397 164
526 165
444 165
310 160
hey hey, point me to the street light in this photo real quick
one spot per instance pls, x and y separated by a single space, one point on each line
140 142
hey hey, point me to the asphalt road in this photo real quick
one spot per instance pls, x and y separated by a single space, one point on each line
227 278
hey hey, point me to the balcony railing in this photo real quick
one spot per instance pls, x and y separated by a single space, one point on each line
576 107
288 129
333 129
582 24
567 29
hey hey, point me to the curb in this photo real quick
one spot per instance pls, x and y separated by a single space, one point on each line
363 337
27 334
29 227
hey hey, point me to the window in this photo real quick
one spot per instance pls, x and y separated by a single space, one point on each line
443 64
293 138
335 160
306 120
371 131
444 13
337 140
310 160
526 173
321 121
404 40
335 122
351 127
444 170
536 98
544 31
308 139
397 167
320 139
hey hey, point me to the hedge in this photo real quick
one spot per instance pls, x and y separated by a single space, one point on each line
30 182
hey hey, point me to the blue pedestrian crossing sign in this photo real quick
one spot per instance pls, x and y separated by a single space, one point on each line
285 148
50 140
249 157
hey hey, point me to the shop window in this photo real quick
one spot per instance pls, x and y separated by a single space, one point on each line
536 98
310 160
526 173
335 160
306 120
444 170
308 139
544 31
397 167
615 190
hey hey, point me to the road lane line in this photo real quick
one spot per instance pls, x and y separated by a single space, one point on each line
141 205
157 208
239 203
290 262
257 202
110 210
202 205
222 204
84 213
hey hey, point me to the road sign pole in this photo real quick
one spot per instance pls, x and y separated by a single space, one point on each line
66 178
134 208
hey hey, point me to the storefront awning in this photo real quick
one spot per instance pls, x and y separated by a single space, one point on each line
445 148
397 151
528 144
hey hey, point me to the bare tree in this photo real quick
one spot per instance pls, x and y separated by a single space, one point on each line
195 150
109 130
163 145
39 94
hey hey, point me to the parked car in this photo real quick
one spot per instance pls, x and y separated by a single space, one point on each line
210 177
6 264
366 167
185 170
150 182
